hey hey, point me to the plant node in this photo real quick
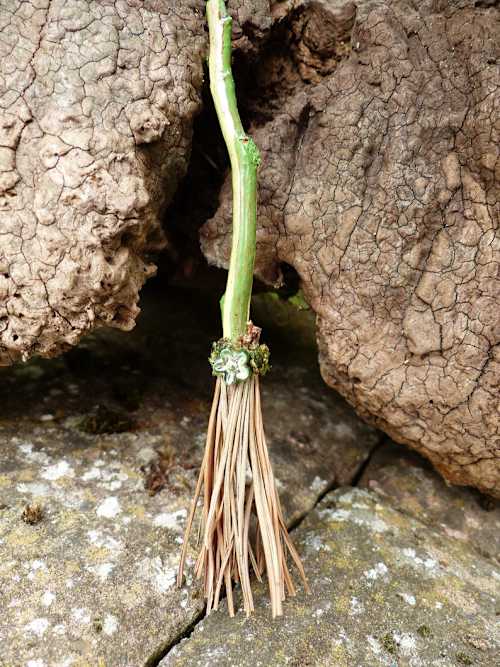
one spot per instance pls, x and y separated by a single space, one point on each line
235 361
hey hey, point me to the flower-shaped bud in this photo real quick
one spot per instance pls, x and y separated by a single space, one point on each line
231 365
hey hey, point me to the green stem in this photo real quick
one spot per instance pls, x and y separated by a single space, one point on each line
245 159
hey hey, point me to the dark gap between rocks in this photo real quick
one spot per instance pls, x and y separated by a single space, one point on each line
384 439
334 485
158 656
266 78
196 201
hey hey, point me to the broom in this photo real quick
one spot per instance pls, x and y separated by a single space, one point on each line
242 523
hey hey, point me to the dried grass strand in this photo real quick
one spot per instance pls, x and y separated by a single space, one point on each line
235 449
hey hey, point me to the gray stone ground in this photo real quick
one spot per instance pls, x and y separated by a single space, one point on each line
386 590
409 482
89 438
107 440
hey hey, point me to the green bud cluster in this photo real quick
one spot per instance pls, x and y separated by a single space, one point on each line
234 362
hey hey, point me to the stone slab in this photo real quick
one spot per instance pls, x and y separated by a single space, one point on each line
89 437
409 481
387 590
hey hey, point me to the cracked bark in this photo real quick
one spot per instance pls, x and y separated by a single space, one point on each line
388 208
97 101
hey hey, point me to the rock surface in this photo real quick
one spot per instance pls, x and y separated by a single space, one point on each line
97 101
386 590
380 186
106 441
89 438
412 486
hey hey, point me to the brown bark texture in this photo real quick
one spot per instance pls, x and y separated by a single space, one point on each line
379 128
97 100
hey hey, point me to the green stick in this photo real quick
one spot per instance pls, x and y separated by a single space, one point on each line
236 442
245 159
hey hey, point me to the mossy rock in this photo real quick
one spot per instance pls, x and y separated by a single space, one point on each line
289 318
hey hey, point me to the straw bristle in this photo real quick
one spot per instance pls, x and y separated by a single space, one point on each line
236 444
